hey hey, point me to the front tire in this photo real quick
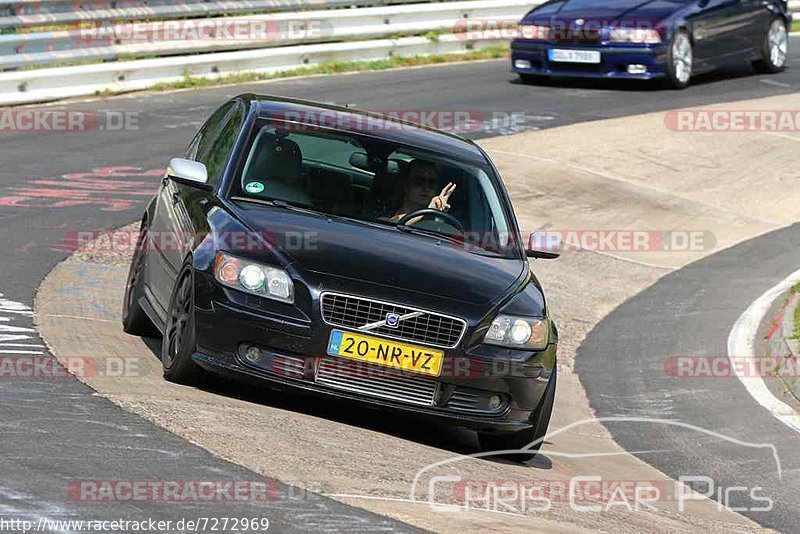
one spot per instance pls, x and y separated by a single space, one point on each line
178 343
521 440
680 60
134 319
775 48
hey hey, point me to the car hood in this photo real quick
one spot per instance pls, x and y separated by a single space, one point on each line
386 257
608 10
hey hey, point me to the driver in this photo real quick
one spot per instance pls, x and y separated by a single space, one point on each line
419 191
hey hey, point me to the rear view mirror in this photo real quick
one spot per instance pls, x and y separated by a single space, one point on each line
545 245
188 172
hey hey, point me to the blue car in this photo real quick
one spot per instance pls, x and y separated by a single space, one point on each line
644 40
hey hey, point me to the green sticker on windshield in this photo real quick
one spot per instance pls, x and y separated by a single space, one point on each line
254 187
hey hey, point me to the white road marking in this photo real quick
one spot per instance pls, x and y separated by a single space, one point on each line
741 341
9 333
777 84
9 337
15 329
785 136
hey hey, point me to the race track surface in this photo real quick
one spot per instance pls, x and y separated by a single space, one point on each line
626 366
53 185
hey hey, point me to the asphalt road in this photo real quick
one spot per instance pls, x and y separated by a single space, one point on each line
55 184
625 365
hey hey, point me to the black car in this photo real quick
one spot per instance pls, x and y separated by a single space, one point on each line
317 249
647 39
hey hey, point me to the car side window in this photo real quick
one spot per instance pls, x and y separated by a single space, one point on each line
191 150
206 133
220 145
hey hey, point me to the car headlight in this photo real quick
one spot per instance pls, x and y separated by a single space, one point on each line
261 280
533 31
518 332
635 35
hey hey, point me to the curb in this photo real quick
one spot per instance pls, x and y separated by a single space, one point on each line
781 347
780 343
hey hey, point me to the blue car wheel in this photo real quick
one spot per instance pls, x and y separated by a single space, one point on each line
680 59
775 48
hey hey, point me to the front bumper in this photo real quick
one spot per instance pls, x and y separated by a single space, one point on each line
294 360
614 60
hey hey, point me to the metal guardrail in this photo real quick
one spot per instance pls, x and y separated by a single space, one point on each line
146 10
44 7
40 85
363 33
330 30
279 29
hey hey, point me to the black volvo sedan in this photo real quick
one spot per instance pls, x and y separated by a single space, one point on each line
322 250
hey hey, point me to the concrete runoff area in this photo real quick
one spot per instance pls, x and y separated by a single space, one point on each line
641 177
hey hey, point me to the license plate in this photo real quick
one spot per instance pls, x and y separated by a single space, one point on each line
386 353
574 56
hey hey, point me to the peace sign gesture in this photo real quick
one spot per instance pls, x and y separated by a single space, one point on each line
441 201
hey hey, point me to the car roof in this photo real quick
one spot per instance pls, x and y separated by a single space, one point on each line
407 133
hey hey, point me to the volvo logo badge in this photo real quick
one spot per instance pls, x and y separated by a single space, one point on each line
392 320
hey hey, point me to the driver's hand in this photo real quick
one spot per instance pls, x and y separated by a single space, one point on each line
441 201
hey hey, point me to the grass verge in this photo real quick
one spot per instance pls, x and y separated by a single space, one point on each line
336 67
796 26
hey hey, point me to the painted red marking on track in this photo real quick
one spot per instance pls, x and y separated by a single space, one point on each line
108 187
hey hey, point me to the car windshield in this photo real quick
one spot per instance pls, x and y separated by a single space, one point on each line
375 181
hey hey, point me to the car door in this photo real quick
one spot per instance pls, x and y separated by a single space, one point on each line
756 22
716 31
168 224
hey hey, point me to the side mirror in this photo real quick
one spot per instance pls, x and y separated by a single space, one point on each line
188 172
545 245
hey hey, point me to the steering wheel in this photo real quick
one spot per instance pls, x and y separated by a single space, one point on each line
430 213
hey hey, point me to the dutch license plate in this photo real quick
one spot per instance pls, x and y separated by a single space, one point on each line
574 56
386 353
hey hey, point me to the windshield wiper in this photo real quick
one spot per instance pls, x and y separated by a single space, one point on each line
428 233
281 204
